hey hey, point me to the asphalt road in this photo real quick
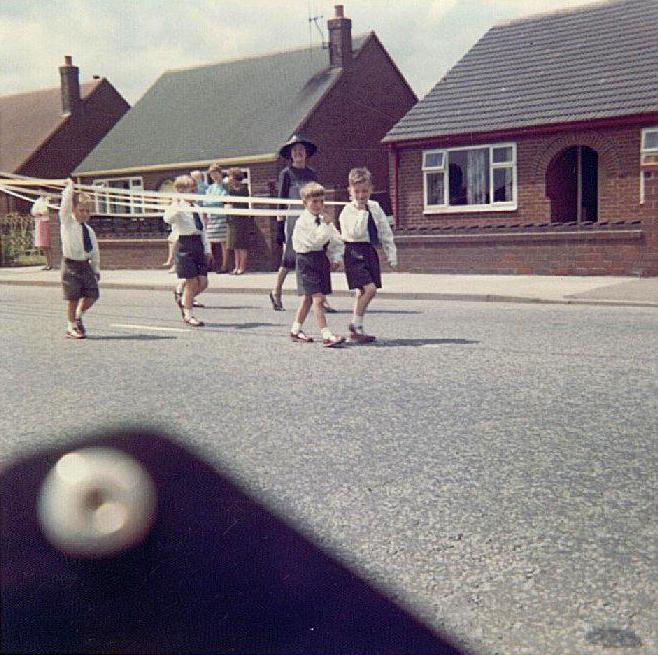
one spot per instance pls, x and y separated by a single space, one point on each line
491 465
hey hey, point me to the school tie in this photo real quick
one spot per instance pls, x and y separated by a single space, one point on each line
317 220
86 238
373 235
198 222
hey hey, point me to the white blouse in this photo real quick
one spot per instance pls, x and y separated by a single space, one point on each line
40 209
354 228
73 246
308 236
180 215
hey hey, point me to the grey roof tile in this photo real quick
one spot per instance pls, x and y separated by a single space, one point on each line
235 108
597 61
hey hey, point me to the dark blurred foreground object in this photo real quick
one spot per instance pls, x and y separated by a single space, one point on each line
215 572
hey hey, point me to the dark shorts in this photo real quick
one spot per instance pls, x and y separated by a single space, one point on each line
362 266
191 260
313 274
78 280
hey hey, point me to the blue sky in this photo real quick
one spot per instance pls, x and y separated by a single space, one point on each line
131 42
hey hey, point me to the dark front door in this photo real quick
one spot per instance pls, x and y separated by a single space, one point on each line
572 185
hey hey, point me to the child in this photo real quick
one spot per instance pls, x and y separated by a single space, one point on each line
363 226
42 228
315 241
193 256
172 244
81 259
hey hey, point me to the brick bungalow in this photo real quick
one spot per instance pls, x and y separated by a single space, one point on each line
47 133
345 97
538 152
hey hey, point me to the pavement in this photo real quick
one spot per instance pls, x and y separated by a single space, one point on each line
583 290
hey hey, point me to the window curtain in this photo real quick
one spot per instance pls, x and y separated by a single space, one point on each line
477 172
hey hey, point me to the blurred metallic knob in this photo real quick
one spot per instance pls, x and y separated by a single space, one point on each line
96 502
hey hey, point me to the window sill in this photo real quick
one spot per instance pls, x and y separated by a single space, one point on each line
469 209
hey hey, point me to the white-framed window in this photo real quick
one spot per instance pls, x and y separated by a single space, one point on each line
648 156
472 178
119 204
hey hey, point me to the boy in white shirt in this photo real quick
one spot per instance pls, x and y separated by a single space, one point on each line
81 259
193 256
316 243
363 226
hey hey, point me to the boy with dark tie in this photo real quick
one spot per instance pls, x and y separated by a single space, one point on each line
363 227
318 249
81 259
194 254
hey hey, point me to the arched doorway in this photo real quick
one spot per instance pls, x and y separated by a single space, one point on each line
572 185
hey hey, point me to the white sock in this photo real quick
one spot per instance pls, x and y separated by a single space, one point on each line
357 321
78 313
296 328
71 325
187 312
326 333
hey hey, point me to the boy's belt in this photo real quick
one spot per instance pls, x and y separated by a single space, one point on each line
76 261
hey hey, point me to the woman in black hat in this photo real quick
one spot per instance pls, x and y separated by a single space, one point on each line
291 179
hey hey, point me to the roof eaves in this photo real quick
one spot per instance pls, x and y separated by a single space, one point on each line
402 140
227 161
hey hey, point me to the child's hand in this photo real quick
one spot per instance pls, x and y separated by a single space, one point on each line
336 266
98 277
209 259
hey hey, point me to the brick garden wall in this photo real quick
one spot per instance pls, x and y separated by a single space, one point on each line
347 125
615 250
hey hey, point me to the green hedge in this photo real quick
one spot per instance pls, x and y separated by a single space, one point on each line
17 241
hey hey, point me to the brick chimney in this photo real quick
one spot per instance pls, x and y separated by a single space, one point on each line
70 86
340 40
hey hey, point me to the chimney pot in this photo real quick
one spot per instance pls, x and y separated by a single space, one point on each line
70 86
340 40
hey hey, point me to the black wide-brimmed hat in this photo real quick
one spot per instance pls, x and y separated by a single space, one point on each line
311 148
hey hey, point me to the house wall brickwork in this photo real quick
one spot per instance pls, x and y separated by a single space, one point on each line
615 252
347 125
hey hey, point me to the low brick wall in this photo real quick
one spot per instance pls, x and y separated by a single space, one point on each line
597 250
578 252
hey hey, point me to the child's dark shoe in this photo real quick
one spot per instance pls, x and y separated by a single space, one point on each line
300 337
277 305
79 324
192 321
359 336
333 341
